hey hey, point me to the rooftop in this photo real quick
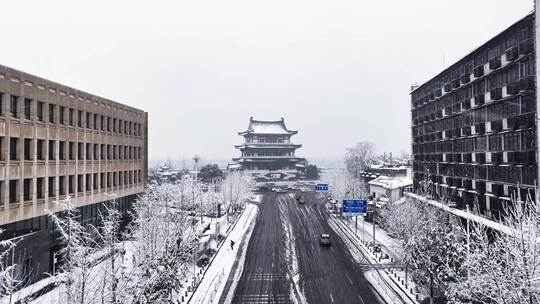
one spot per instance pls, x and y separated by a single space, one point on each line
267 127
527 18
391 182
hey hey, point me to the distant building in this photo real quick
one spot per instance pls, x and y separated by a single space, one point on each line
474 125
375 171
268 153
391 188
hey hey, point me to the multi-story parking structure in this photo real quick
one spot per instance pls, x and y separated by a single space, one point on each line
474 124
58 142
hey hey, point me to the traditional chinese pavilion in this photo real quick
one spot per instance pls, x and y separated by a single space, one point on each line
268 153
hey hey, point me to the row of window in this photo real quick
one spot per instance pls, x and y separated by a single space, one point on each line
69 184
524 175
438 120
509 141
63 150
69 117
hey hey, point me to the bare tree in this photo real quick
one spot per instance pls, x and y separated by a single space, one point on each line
359 157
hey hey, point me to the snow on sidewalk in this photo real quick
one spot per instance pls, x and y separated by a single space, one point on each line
213 282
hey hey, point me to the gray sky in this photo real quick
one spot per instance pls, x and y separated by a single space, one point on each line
338 71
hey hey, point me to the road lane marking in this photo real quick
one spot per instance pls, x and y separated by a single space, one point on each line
361 300
331 298
349 278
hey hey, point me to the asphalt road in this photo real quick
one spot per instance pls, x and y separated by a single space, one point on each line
285 260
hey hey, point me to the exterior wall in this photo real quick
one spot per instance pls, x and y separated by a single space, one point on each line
89 148
474 124
122 138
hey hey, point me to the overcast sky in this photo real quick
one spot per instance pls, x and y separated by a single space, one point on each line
339 72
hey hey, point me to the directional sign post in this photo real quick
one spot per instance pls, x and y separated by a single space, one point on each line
321 188
354 207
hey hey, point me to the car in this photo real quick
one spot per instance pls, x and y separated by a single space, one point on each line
324 239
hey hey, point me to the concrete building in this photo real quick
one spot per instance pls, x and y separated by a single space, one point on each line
55 142
474 125
268 153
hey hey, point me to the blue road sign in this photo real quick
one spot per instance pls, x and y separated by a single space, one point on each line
354 207
321 187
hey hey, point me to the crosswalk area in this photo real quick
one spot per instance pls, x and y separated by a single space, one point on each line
268 298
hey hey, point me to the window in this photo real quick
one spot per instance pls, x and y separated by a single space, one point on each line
88 182
121 178
28 108
62 185
13 191
108 179
120 124
126 182
13 101
71 150
39 187
27 149
95 181
13 151
51 113
114 152
96 151
102 180
102 124
79 121
95 121
71 186
80 151
114 125
61 115
88 120
88 150
51 187
62 150
109 154
51 150
114 179
80 183
103 156
39 111
108 124
71 117
1 104
40 154
27 186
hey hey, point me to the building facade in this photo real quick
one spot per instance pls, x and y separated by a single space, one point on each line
58 142
268 153
474 137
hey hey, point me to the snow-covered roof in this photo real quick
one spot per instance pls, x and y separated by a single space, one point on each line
267 127
391 182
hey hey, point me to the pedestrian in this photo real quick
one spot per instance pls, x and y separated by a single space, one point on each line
232 244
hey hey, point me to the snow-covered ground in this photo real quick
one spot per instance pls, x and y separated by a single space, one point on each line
215 277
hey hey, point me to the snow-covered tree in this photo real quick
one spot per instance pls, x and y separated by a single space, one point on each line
503 267
163 241
343 185
235 189
359 157
110 238
79 281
